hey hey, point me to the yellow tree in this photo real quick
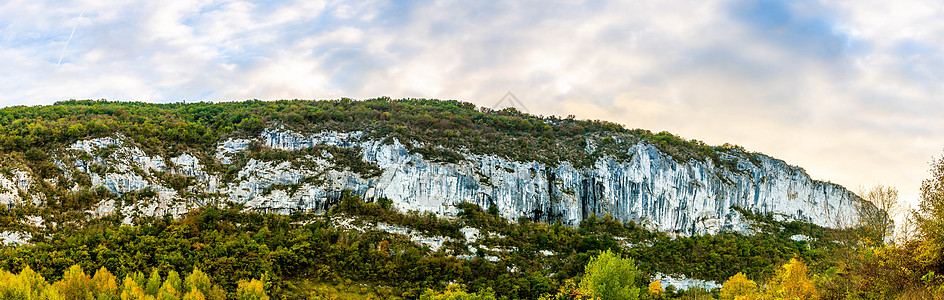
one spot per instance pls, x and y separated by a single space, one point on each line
194 294
792 281
251 290
34 280
130 290
457 292
27 285
106 285
168 292
655 290
738 287
197 280
568 291
75 284
216 293
12 287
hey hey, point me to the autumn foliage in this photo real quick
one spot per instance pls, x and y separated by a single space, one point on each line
77 285
738 287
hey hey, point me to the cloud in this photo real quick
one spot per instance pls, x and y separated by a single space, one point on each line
848 90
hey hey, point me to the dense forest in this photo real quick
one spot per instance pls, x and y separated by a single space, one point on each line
292 253
423 124
224 251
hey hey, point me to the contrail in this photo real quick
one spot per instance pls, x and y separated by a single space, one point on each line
63 52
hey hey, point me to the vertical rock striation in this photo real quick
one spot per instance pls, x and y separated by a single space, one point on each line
649 188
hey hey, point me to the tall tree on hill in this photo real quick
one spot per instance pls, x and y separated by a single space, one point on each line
877 221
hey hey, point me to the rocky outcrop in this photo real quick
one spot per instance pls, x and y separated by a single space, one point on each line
649 188
11 185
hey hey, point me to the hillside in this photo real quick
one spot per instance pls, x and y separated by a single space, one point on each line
409 172
424 155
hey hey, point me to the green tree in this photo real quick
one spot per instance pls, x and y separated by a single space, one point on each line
251 124
139 279
609 276
929 217
153 283
173 278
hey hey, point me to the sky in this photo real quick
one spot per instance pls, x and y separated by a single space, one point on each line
848 90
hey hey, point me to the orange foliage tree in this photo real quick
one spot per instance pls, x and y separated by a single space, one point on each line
792 281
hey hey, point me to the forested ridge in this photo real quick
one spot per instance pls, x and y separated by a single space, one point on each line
422 123
344 254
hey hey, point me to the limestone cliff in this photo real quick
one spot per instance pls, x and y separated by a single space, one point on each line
649 187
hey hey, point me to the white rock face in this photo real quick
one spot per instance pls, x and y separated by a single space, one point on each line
650 188
471 234
8 189
799 237
680 282
288 140
433 242
14 238
229 147
12 184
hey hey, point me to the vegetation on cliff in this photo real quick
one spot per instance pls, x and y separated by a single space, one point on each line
346 252
438 129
